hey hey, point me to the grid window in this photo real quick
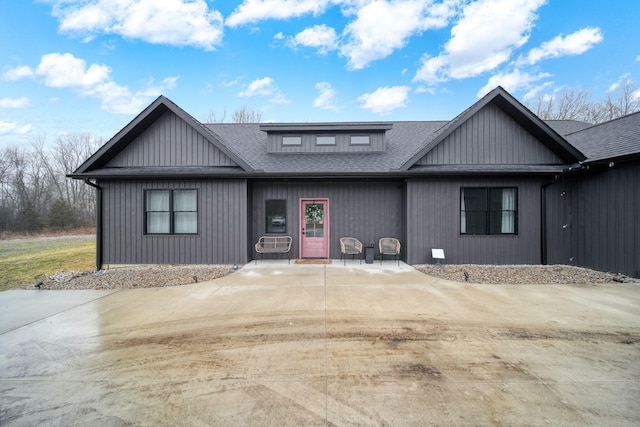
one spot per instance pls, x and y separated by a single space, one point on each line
171 212
488 210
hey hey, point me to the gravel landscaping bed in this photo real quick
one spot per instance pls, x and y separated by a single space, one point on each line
133 277
521 274
160 276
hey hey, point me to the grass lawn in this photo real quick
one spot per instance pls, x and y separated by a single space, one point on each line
22 260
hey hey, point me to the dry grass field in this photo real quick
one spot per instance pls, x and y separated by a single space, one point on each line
25 260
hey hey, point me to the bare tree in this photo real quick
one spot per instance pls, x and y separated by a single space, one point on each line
214 117
568 105
243 114
572 104
626 102
246 115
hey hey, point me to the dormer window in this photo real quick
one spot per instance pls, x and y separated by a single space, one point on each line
325 140
360 140
291 140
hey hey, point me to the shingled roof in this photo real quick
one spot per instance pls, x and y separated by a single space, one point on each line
614 140
405 143
250 143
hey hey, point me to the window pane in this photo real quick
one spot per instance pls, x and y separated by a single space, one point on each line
158 222
475 199
185 200
314 215
185 222
276 216
158 200
360 140
326 140
476 222
291 140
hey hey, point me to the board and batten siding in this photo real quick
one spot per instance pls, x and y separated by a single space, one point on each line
595 223
342 145
170 141
490 137
222 225
433 218
364 210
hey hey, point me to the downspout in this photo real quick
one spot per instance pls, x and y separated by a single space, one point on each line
543 219
98 223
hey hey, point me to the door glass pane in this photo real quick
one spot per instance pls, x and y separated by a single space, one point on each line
314 215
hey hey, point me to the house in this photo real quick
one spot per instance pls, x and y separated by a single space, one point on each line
495 185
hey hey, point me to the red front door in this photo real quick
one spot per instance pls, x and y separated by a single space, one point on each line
314 228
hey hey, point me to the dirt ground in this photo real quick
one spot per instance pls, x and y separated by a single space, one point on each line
287 345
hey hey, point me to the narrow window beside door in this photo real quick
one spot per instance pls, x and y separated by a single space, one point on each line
276 216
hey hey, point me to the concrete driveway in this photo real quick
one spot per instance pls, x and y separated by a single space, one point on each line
291 345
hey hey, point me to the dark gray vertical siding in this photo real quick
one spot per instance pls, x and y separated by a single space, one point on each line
342 145
433 218
221 238
600 213
365 210
170 141
490 137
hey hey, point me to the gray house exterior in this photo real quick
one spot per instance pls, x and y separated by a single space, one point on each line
494 185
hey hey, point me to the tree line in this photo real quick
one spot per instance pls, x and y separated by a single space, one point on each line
35 193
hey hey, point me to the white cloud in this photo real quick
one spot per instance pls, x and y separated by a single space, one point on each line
383 26
573 44
22 102
511 81
265 86
624 81
66 71
385 99
485 37
18 73
173 22
251 11
321 37
12 128
327 97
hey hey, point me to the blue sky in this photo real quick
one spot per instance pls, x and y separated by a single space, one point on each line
89 66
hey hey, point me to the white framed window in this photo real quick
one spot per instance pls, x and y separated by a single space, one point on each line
171 212
360 140
325 140
291 140
488 210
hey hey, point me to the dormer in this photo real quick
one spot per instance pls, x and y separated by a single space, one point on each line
324 138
